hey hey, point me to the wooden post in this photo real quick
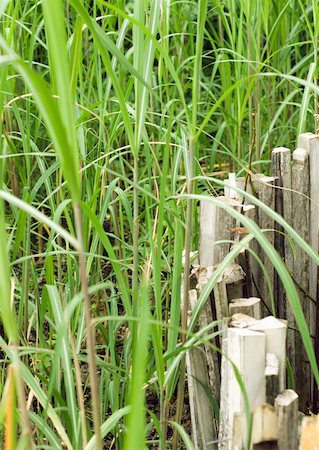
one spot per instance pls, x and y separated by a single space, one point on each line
221 301
234 277
309 439
224 432
216 308
249 306
310 142
281 170
264 189
265 427
272 377
265 192
212 358
286 405
300 222
215 226
265 430
275 331
246 349
202 417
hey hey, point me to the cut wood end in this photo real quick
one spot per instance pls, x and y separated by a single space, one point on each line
241 321
267 323
286 398
305 138
261 178
244 332
281 150
233 273
272 365
245 301
300 155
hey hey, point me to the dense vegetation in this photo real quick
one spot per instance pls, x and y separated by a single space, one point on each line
111 113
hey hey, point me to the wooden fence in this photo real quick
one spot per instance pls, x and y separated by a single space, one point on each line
257 331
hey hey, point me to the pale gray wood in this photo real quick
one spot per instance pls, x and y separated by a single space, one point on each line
206 317
207 237
300 222
263 187
246 349
265 426
215 226
272 377
221 302
249 306
265 430
202 416
275 331
281 169
240 320
224 433
310 142
286 405
239 432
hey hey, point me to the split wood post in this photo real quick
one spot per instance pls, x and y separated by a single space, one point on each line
309 439
246 350
234 278
264 430
310 142
202 417
281 170
239 232
265 192
249 306
300 222
286 405
215 225
221 301
272 377
229 285
264 188
275 331
216 308
207 317
212 359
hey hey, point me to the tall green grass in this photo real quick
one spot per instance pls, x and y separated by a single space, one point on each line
116 117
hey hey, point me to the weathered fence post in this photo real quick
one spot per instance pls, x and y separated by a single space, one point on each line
249 306
204 429
246 350
300 223
275 331
286 405
265 192
263 188
310 142
309 439
215 226
281 170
